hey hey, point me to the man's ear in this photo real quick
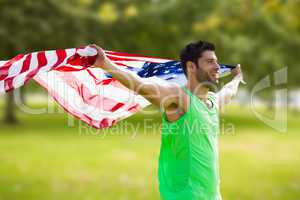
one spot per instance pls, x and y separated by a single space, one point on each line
190 66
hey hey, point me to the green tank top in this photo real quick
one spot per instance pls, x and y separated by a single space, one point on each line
188 163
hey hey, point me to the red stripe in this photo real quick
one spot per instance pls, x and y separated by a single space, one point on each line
121 59
3 72
8 84
65 68
129 54
26 63
42 60
61 56
105 122
107 81
142 59
134 108
117 106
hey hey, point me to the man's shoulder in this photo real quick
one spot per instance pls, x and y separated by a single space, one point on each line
174 89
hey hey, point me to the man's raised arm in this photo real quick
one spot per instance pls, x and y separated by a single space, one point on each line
225 95
162 95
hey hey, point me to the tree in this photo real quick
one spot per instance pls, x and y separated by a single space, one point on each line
37 25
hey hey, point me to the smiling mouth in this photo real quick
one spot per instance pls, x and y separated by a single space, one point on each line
215 74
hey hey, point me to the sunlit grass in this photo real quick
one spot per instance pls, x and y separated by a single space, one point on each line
43 158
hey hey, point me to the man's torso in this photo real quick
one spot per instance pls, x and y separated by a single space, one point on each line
188 163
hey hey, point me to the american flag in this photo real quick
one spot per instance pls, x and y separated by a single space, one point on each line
89 93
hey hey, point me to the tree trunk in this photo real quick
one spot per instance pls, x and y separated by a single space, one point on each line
9 115
22 95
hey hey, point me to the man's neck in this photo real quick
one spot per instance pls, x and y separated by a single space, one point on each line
198 89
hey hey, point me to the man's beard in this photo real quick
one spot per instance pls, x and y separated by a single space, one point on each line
204 78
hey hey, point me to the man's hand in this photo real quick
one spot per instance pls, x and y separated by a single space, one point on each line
237 73
101 57
237 70
225 95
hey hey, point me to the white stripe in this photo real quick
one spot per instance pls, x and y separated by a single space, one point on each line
87 51
123 95
70 52
3 62
19 80
87 80
157 60
2 90
97 72
16 67
136 64
33 62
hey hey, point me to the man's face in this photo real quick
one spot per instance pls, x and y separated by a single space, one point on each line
208 68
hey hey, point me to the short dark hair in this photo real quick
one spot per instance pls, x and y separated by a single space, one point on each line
193 51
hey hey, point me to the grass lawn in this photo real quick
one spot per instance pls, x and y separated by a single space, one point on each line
42 158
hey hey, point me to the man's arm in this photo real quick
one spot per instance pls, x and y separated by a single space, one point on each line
163 95
225 95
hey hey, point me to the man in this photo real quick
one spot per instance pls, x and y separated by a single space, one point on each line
188 162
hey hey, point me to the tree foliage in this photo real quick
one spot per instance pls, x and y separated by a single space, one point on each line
261 35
